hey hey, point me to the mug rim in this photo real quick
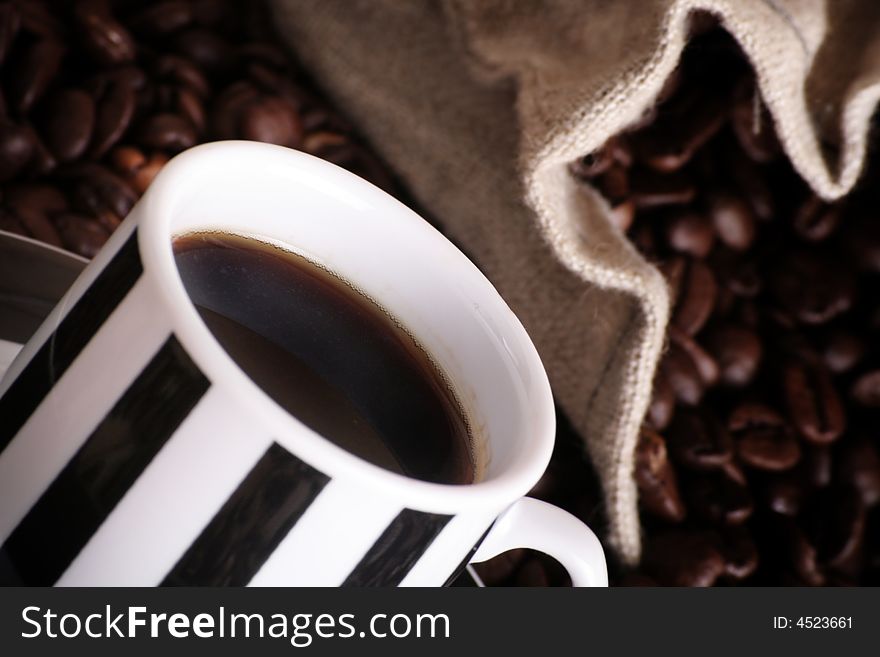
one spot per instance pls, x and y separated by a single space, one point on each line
154 241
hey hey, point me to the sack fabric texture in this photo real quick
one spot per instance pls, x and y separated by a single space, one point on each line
480 105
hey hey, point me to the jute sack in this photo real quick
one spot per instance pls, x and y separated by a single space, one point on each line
479 106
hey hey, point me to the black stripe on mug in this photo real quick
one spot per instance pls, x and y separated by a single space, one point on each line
252 522
68 340
93 482
396 551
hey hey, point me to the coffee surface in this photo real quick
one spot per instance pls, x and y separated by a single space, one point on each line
329 355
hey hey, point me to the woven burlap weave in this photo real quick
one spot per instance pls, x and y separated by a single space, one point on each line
480 105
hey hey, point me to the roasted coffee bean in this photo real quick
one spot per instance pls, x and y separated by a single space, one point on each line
738 352
815 220
704 363
696 297
750 182
650 190
719 499
818 468
68 126
733 220
206 49
843 351
162 17
814 406
273 121
97 191
182 72
858 463
698 440
763 439
740 553
190 108
662 404
228 108
690 232
16 149
10 223
38 226
167 132
835 525
812 289
33 74
753 126
862 239
114 113
41 198
656 480
866 389
684 558
680 371
142 178
42 161
80 234
105 39
614 185
803 557
785 494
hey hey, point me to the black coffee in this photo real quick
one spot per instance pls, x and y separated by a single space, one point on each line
329 355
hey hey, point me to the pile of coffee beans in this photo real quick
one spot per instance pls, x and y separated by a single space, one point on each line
759 459
96 95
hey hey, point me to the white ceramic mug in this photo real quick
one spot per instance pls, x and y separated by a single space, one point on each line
134 451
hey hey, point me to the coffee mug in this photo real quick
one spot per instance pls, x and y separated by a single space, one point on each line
134 451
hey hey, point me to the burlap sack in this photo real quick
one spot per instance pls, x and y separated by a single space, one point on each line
480 105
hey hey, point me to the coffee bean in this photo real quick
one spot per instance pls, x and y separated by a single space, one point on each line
695 299
105 39
763 439
68 126
38 226
167 132
16 150
182 72
650 190
738 352
42 161
815 220
690 232
614 185
705 365
204 48
656 480
733 221
41 198
814 406
80 234
228 107
859 464
142 178
843 351
866 389
803 557
680 370
114 113
162 18
812 289
190 107
785 494
662 404
10 223
750 182
698 441
97 191
622 215
740 553
32 75
818 466
271 120
684 558
719 499
835 525
753 129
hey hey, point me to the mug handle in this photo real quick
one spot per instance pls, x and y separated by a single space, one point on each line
531 523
